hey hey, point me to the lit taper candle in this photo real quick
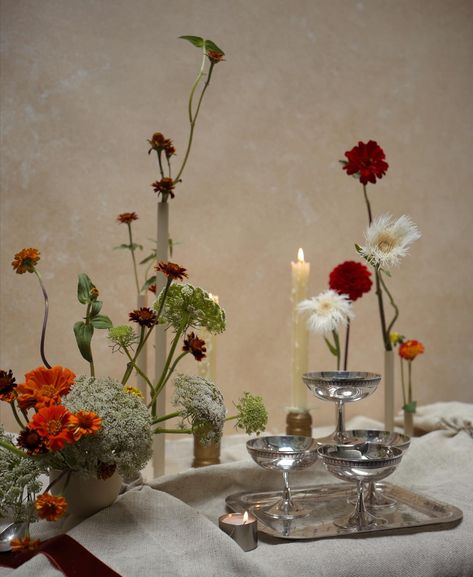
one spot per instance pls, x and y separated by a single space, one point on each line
300 333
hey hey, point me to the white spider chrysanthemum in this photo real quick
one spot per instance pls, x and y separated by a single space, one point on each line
388 240
326 312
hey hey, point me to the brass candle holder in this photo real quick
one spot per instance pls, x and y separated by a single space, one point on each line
299 423
205 455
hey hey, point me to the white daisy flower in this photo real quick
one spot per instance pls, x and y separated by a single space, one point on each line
388 240
326 311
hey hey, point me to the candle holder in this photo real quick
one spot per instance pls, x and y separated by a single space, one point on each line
242 528
205 455
299 423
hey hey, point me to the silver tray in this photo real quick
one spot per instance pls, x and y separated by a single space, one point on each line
413 512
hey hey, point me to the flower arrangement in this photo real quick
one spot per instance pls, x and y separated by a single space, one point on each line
408 351
95 425
332 309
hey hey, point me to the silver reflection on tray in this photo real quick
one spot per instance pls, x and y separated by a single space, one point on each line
340 387
360 463
284 453
375 496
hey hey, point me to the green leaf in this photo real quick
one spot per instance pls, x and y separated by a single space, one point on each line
149 282
200 42
332 349
195 40
101 322
84 335
358 248
95 308
132 246
83 288
410 407
150 257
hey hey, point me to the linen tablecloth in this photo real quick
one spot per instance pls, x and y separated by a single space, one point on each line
169 527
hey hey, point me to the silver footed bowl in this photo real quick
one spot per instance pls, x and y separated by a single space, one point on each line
284 453
375 496
345 386
361 463
340 387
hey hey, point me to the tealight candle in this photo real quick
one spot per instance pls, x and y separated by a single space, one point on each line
242 528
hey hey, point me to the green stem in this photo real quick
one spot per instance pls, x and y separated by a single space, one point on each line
45 319
393 304
13 449
193 117
409 377
175 431
87 322
138 370
231 418
368 205
17 417
131 364
337 348
347 341
132 250
166 417
171 371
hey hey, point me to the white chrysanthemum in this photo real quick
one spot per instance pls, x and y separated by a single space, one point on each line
326 312
388 240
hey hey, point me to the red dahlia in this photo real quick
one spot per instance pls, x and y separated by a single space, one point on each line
144 316
350 278
366 160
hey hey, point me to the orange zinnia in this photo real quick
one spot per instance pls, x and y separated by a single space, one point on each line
50 507
44 387
25 544
25 260
53 424
410 349
84 423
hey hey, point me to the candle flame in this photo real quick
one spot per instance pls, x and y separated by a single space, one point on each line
245 517
300 255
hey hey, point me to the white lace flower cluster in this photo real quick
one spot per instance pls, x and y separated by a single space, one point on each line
18 483
188 306
125 438
202 407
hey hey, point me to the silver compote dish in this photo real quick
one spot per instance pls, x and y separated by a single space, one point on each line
360 463
284 453
340 387
374 495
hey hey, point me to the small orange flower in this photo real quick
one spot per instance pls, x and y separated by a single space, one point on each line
50 507
25 260
164 186
195 346
7 386
133 391
215 56
84 423
53 425
44 387
172 270
157 142
25 544
410 349
127 217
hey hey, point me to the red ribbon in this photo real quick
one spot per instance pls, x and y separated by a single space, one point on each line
66 554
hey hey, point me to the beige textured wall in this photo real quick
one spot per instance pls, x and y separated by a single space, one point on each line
84 83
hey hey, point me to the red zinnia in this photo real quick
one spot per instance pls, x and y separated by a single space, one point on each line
44 387
350 278
172 270
410 349
366 160
195 346
7 386
164 186
127 217
144 316
50 507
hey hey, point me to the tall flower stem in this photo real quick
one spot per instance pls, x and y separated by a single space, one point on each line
45 319
192 115
393 304
166 417
347 341
87 322
379 292
409 381
132 250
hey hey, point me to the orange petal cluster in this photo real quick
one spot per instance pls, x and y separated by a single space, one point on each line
53 424
44 387
84 423
25 260
25 544
50 507
409 350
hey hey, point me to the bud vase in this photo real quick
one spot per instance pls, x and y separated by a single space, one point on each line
205 455
409 423
389 390
85 496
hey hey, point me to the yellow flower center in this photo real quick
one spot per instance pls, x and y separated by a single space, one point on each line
48 391
386 242
54 427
